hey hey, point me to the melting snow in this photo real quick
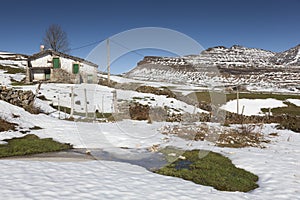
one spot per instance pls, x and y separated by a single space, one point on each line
252 106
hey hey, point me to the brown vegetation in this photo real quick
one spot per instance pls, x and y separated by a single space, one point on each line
6 126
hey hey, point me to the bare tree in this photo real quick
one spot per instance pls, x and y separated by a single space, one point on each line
56 39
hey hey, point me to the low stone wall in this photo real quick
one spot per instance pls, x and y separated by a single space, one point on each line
23 99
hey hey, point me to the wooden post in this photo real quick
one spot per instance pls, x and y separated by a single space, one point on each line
108 61
237 100
102 109
72 102
115 103
58 106
85 99
243 110
95 114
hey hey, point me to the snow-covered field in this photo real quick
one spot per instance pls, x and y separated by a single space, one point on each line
277 165
101 98
252 106
294 101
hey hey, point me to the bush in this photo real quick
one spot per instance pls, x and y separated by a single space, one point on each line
156 91
139 112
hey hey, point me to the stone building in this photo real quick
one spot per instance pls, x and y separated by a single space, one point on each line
53 66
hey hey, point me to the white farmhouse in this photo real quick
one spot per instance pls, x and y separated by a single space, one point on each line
53 66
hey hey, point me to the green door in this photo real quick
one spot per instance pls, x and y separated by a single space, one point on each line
56 63
75 68
47 74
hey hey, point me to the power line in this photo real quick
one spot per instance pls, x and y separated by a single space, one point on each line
87 45
121 45
117 43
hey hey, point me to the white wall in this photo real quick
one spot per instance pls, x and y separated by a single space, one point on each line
67 64
87 70
42 62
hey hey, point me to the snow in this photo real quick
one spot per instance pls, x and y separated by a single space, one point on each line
252 106
101 98
277 165
158 101
5 79
294 101
184 89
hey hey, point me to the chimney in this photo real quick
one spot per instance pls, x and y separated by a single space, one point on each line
42 48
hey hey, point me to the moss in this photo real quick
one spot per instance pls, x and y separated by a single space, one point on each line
30 144
211 170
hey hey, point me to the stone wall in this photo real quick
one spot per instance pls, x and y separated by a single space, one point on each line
23 99
62 76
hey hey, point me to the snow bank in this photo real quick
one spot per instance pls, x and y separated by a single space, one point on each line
294 101
252 106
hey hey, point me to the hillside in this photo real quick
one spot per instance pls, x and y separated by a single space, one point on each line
13 59
221 66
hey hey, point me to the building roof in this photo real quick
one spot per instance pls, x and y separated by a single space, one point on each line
56 53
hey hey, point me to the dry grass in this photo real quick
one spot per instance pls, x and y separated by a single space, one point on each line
6 126
243 136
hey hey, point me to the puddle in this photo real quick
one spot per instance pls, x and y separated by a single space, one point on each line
183 164
140 157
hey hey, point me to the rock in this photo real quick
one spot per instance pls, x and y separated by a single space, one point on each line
138 111
182 157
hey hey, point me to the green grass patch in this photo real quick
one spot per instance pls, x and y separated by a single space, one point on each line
212 170
30 144
12 70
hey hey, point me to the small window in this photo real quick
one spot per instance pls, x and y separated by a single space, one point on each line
75 68
56 63
90 78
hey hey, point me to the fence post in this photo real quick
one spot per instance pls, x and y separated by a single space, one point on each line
72 102
86 108
58 106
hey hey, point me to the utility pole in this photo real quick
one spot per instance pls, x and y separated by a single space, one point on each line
108 61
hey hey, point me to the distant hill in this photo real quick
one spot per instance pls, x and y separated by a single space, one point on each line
225 66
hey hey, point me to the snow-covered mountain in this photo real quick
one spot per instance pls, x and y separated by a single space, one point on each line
290 57
225 66
233 56
13 59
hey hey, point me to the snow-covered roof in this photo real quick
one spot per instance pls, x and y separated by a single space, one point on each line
60 54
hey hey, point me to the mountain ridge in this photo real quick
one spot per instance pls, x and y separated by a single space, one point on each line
224 66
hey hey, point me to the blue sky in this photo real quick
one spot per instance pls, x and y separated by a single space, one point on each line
267 24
